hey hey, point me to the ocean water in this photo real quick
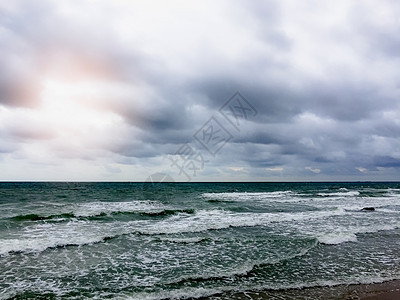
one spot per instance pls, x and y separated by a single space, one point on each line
189 240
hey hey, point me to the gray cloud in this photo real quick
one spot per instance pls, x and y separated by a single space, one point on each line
323 79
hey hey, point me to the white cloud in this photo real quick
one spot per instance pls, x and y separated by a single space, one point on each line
314 170
362 170
275 169
236 169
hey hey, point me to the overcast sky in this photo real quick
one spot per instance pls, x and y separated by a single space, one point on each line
120 90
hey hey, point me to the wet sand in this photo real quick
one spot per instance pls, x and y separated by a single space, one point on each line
381 291
389 290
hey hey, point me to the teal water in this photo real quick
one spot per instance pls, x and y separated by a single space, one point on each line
183 240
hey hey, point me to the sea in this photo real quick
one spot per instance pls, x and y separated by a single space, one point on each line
74 240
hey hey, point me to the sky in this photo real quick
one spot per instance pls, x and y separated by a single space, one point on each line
199 90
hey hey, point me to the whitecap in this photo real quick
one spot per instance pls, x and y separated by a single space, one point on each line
340 194
96 208
337 238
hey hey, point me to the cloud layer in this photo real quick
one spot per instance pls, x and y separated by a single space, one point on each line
115 90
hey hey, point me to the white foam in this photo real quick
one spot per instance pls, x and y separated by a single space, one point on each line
340 194
393 192
41 244
182 293
38 238
96 208
377 227
184 240
243 195
277 196
354 204
337 238
220 219
331 235
201 292
389 211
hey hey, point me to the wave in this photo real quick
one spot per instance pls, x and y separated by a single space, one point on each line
340 194
33 245
379 207
189 240
36 217
71 215
205 220
337 238
237 291
96 208
243 270
79 232
375 198
277 196
168 212
40 236
356 205
218 201
242 291
350 234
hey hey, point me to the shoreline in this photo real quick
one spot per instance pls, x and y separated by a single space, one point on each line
388 290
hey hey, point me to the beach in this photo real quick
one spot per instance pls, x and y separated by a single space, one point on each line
384 291
389 290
